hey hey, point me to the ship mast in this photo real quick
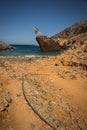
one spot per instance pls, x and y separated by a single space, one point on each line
36 31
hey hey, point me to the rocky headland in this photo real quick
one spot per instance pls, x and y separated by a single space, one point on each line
5 46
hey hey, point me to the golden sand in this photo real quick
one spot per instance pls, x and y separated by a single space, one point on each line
55 91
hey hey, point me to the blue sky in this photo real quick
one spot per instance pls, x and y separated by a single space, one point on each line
17 18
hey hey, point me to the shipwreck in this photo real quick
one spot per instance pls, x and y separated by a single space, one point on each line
47 44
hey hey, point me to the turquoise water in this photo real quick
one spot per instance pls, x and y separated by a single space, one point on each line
27 50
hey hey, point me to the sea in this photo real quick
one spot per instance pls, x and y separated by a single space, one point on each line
28 51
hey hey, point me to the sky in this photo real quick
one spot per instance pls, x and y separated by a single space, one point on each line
17 18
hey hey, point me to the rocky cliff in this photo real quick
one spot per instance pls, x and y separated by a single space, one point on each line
73 34
4 46
74 30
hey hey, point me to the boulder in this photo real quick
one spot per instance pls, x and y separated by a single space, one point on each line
4 46
47 44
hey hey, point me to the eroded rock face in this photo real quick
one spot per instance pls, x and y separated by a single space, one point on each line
72 31
4 46
48 44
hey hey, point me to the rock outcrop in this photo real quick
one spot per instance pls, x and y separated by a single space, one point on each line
74 34
4 46
76 56
48 44
72 31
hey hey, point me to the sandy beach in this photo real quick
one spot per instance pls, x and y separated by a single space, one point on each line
42 94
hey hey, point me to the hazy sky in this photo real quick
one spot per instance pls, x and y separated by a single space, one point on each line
17 18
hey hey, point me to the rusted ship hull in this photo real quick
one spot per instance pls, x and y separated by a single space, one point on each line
47 44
